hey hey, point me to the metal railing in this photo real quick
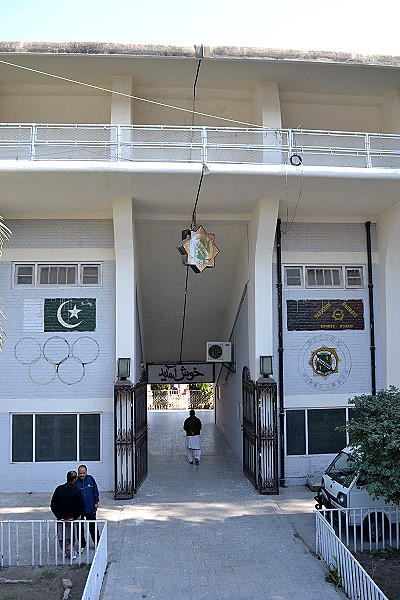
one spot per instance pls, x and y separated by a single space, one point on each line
49 542
365 528
41 542
349 574
159 143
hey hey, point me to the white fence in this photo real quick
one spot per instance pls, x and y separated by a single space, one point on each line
47 542
351 576
158 143
365 528
97 568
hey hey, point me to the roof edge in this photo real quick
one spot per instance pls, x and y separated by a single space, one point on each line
217 52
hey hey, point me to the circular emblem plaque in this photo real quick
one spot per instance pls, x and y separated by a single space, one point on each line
324 362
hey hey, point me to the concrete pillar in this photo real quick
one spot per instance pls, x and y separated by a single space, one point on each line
125 288
267 113
122 106
390 112
122 114
261 245
388 229
267 105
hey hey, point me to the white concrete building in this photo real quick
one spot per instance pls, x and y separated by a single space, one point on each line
107 153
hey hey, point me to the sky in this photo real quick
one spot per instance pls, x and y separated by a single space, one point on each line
363 27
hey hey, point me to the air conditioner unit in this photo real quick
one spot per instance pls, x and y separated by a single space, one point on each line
219 352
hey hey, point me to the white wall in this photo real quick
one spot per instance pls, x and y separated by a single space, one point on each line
388 226
329 113
20 389
39 107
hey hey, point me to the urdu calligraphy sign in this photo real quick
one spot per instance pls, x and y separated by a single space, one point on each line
180 373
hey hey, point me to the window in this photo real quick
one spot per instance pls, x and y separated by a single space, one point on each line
22 438
57 275
296 432
55 437
90 275
354 277
293 276
24 274
322 435
313 431
323 277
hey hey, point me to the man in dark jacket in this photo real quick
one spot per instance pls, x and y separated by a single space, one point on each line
67 505
192 426
88 487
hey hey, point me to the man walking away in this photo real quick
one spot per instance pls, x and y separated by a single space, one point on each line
88 487
67 505
192 426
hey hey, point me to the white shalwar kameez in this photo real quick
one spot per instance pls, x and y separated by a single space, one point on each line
193 446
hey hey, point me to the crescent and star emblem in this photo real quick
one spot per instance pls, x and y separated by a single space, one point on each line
73 314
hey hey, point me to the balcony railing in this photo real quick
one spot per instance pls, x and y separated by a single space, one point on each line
158 143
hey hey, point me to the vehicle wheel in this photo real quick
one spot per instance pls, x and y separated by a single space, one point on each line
376 528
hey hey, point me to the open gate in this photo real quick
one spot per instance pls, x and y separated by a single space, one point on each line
140 435
249 427
130 435
260 433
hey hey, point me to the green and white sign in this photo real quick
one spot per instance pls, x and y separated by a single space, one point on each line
69 314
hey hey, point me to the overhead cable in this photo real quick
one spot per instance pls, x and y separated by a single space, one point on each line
102 89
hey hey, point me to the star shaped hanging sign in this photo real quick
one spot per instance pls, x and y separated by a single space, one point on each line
198 249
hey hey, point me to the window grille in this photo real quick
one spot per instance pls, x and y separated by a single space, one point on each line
55 437
58 274
324 277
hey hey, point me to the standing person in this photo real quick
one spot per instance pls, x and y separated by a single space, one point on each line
88 487
67 505
192 426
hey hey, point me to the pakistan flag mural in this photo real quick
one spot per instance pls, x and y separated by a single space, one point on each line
60 314
77 314
59 358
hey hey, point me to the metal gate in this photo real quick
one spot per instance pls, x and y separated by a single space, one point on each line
140 435
130 434
260 433
249 427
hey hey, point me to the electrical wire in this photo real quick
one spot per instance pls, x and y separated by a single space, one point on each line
193 224
96 87
287 224
184 313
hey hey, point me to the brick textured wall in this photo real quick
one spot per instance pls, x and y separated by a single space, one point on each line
314 238
50 233
35 386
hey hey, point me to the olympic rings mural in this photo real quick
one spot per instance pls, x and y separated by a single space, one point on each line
57 359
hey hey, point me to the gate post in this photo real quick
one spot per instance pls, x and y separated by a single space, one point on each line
267 436
123 436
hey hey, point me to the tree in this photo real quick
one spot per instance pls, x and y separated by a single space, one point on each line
5 235
205 389
160 394
201 395
375 437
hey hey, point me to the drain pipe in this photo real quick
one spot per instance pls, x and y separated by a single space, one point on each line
371 308
282 481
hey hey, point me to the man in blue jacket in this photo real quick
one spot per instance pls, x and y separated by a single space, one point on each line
88 487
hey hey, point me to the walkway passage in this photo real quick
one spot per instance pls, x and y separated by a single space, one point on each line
204 533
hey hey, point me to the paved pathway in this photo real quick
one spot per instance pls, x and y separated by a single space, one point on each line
201 532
